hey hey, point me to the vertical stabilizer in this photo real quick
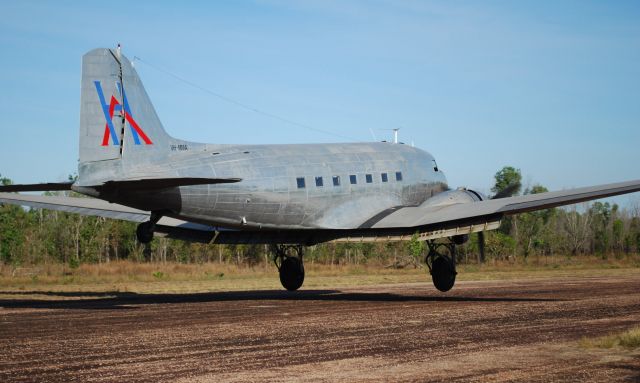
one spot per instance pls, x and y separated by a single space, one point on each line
100 75
117 119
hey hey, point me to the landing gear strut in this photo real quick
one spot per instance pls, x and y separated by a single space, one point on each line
288 260
144 231
442 266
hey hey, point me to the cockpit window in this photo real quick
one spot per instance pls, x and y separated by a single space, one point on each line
435 165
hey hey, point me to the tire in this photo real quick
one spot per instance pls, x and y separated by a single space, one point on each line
144 232
291 273
443 274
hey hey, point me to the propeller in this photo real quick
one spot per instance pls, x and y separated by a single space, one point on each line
510 190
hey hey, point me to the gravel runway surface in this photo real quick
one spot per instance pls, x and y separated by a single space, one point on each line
496 331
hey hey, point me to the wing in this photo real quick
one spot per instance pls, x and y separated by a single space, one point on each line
84 206
124 184
468 213
100 208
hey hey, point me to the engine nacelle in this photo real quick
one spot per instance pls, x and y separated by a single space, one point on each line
453 197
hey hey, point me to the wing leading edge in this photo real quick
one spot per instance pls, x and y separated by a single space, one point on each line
424 215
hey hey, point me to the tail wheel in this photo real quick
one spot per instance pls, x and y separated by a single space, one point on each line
443 274
291 273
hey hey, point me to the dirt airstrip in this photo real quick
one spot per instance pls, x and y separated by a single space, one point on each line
481 331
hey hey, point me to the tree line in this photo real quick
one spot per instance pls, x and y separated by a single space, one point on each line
33 236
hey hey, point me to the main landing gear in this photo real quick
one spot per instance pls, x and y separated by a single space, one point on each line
441 261
288 260
144 231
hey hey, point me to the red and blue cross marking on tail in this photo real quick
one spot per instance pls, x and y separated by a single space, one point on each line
109 109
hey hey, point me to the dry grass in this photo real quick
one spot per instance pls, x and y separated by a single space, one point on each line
173 277
176 277
629 339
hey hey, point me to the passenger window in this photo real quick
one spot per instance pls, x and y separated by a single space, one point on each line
300 181
384 177
353 179
398 176
336 180
369 178
319 181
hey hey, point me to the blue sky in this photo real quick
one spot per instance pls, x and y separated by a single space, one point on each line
550 87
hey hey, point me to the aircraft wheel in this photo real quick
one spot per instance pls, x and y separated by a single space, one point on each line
144 232
443 274
291 273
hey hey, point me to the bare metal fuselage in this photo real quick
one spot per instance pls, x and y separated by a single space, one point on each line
269 196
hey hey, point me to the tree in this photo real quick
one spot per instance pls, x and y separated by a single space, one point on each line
634 234
601 217
532 224
416 246
508 182
5 181
11 233
576 228
617 234
499 245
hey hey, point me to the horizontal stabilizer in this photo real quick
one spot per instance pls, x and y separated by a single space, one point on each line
161 183
51 186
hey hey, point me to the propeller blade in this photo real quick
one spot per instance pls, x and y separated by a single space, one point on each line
508 191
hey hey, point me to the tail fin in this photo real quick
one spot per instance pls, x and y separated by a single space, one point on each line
117 119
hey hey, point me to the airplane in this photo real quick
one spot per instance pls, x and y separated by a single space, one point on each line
287 196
